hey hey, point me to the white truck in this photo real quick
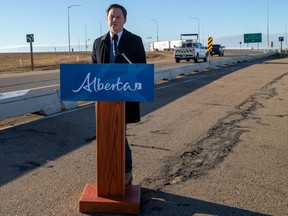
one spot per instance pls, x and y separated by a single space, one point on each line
164 45
191 49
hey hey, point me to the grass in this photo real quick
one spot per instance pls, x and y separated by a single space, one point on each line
21 62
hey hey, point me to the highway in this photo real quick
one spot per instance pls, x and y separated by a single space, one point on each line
212 143
37 79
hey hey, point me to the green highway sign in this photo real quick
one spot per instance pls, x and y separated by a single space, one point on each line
253 38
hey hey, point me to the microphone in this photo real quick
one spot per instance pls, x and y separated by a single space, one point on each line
114 44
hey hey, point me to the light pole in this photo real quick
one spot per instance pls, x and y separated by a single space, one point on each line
198 25
156 28
86 44
286 36
78 44
86 40
69 26
267 27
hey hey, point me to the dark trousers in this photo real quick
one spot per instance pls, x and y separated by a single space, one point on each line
128 158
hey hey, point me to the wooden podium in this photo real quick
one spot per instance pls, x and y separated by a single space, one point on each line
112 84
109 194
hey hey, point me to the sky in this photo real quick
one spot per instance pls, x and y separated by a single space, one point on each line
224 20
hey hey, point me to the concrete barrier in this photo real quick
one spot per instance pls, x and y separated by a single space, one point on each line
45 102
66 105
14 104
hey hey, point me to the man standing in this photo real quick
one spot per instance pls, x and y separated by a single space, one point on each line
108 49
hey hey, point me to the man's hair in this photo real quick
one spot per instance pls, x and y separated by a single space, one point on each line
117 6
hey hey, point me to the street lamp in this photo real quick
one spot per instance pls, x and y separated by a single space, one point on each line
156 28
286 36
69 26
198 25
267 26
86 40
86 44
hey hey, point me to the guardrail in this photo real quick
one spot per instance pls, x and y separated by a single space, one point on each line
20 103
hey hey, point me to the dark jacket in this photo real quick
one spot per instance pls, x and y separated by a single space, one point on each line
131 45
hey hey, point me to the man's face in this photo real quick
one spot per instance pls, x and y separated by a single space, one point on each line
116 20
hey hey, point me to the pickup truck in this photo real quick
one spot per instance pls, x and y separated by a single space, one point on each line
217 49
191 50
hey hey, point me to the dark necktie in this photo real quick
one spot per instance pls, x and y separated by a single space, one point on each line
114 49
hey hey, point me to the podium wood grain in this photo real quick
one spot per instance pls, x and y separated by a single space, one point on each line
109 194
110 138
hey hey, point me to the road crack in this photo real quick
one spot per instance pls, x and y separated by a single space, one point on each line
196 159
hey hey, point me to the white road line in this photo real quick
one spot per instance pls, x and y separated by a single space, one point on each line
23 92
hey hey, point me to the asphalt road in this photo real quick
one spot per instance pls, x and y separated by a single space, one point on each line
212 143
50 79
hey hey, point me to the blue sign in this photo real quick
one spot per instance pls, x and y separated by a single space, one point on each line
107 82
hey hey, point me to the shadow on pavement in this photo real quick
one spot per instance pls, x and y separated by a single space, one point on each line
32 145
157 203
161 203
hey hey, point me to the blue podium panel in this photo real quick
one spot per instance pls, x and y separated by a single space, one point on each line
107 82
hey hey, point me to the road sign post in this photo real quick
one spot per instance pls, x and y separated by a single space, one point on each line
210 43
281 39
112 84
30 39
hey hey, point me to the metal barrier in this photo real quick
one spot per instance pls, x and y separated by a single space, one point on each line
23 102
